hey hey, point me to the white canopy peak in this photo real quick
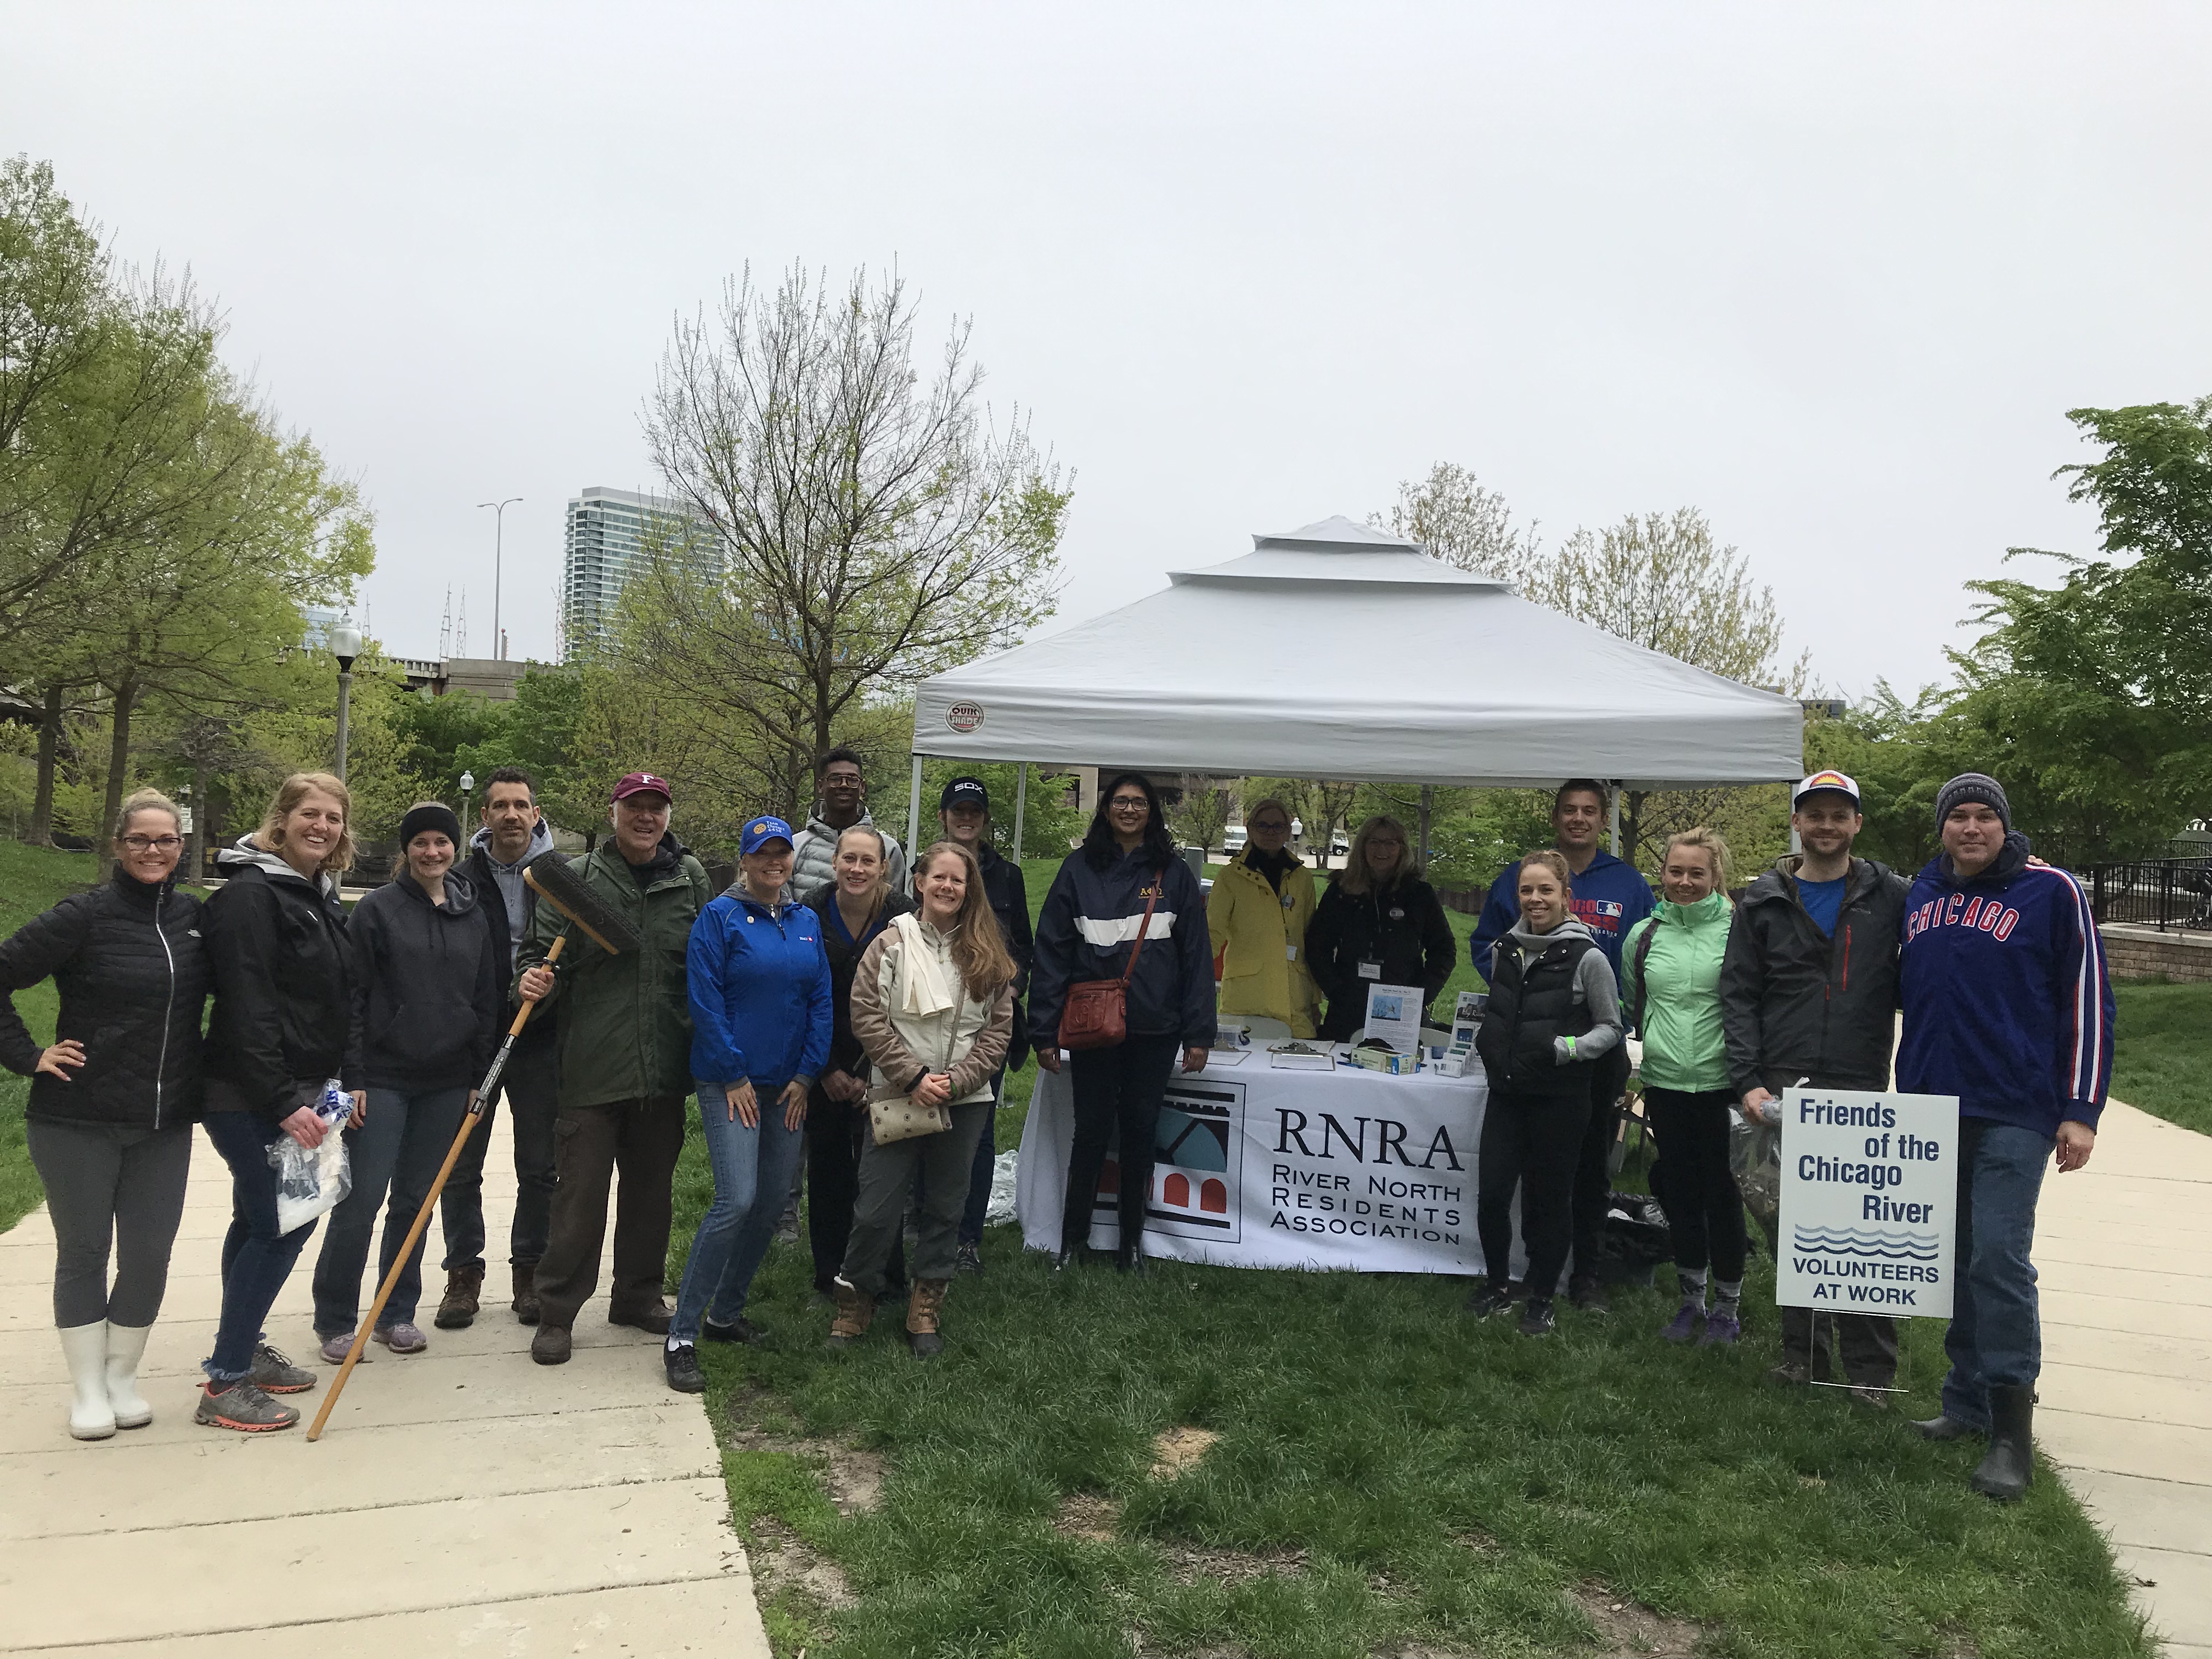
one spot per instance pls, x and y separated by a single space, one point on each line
1336 550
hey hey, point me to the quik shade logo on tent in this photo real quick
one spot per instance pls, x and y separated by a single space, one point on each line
1195 1169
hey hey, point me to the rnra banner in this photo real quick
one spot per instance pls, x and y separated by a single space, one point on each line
1257 1167
1869 1202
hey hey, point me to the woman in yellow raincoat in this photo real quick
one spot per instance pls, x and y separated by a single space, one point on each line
1257 915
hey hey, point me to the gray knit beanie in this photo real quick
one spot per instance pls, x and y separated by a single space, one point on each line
1973 787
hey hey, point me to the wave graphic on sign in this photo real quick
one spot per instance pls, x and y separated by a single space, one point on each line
1891 1247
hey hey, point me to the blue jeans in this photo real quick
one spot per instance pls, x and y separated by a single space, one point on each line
399 1147
753 1171
1994 1337
257 1259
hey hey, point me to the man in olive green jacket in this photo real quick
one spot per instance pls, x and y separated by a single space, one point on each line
625 1069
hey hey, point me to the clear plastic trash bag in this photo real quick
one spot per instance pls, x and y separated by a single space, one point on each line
310 1183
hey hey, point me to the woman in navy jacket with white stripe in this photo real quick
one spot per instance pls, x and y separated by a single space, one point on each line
758 982
1086 931
2007 1006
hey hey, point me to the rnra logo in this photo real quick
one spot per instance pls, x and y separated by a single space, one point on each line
1368 1141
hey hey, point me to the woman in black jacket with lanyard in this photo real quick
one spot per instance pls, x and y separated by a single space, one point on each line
1087 931
1378 924
855 904
283 1004
112 1100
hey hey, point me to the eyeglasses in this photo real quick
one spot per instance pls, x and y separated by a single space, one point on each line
1130 803
153 843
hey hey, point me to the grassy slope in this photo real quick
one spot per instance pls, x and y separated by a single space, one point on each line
2164 1053
32 879
1445 1482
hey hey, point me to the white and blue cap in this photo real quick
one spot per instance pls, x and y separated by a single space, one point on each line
759 831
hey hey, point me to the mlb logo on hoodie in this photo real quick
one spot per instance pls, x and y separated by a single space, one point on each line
1599 916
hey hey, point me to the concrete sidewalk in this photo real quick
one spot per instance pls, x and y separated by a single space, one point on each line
2125 1251
462 1500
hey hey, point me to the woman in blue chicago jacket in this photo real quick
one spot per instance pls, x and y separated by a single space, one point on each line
2007 1006
1087 931
758 981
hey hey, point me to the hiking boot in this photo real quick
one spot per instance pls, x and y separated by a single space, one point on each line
743 1331
336 1349
654 1320
922 1314
406 1337
1588 1295
550 1344
682 1364
457 1309
1490 1300
242 1407
1537 1319
1722 1327
2007 1469
526 1292
968 1259
1684 1325
855 1308
1946 1427
274 1374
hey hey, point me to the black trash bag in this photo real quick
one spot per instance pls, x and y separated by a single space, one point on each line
1635 1239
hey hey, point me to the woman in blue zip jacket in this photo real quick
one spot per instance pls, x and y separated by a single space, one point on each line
1087 931
761 1022
112 1100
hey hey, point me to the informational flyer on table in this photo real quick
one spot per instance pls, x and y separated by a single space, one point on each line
1869 1202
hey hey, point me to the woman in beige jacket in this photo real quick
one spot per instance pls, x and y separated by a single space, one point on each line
932 1005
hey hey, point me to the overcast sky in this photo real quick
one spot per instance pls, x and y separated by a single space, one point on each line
1833 280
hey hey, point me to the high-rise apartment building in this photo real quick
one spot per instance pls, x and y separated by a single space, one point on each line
611 532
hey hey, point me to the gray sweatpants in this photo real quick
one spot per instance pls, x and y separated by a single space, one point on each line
111 1181
887 1180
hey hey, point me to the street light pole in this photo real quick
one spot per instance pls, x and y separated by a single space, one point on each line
468 789
345 645
498 553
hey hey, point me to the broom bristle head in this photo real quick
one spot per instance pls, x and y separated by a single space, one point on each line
559 885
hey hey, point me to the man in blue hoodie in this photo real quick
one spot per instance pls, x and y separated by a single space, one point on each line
2007 1006
1609 898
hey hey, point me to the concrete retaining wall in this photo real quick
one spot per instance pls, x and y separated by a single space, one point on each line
2148 953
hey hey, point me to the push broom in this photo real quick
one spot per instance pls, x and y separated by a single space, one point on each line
549 876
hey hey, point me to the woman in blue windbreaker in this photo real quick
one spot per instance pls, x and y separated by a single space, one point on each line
759 986
1088 931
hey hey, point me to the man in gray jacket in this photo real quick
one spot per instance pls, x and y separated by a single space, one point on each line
843 803
1808 994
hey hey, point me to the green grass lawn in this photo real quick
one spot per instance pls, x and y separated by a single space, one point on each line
32 879
2162 1059
1388 1479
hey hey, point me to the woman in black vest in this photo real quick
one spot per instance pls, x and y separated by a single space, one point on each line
1554 1010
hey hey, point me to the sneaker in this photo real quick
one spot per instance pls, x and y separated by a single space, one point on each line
336 1349
402 1338
242 1407
1537 1319
682 1364
1722 1327
273 1373
1684 1325
967 1259
1790 1374
1872 1399
1588 1295
787 1225
743 1331
1490 1300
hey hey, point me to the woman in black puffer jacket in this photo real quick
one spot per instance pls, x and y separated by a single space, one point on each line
112 1100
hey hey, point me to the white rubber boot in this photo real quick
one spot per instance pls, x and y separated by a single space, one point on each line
91 1418
126 1345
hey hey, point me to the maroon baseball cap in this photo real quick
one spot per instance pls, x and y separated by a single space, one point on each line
643 783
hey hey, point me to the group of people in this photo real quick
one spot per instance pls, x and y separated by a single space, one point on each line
832 1011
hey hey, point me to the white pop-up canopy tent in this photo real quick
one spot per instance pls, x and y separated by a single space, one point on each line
1340 651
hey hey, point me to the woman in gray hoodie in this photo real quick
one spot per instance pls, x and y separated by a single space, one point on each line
1553 1011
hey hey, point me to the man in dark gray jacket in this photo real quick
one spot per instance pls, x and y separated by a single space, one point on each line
1809 992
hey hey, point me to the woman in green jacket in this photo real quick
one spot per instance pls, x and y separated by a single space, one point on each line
1670 969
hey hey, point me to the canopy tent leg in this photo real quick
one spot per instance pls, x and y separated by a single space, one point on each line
1428 806
913 811
1613 815
1021 805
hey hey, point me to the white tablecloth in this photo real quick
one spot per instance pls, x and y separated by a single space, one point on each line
1260 1168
